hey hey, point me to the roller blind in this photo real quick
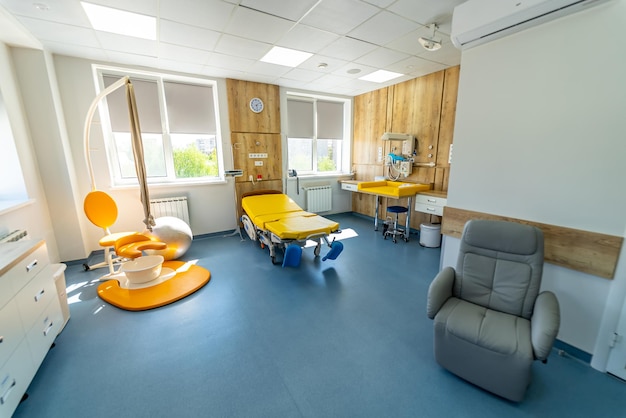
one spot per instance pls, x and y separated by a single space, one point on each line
329 120
190 108
300 119
147 97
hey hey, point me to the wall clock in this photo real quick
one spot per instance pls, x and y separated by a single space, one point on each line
256 105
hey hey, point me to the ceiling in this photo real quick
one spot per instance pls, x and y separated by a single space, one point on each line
227 38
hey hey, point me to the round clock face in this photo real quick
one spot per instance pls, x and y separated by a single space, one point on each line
256 105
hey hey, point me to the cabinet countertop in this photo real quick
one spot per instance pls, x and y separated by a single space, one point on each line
12 253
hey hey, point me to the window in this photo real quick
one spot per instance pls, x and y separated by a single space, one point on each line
315 135
179 132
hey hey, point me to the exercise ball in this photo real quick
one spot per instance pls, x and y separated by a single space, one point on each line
175 233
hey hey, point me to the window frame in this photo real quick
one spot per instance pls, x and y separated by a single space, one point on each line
346 141
166 136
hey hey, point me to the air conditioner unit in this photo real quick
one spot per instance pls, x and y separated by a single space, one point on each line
478 21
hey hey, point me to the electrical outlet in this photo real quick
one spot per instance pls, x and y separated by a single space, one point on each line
380 154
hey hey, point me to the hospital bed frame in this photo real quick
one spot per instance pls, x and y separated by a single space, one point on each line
268 226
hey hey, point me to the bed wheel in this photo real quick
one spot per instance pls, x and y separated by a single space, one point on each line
273 260
317 250
86 267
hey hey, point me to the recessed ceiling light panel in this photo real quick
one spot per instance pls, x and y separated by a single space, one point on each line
121 22
285 56
380 76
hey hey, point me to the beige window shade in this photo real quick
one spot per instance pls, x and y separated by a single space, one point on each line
147 97
329 120
190 108
300 119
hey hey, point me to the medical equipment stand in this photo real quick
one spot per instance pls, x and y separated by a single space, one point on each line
235 173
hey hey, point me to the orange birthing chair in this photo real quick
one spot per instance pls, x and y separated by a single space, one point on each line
101 210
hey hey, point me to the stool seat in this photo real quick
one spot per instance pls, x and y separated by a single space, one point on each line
397 209
394 231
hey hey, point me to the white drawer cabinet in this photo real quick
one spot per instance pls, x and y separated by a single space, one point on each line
30 317
431 204
353 187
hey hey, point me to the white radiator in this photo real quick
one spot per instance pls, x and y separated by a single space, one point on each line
319 198
170 206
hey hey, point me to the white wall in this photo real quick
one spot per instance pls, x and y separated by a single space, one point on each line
539 135
33 217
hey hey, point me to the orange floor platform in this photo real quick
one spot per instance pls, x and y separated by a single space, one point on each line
187 279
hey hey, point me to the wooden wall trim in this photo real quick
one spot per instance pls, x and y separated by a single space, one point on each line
585 251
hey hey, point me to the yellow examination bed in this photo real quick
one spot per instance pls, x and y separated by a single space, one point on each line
278 222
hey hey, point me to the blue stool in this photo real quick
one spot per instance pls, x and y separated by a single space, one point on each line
395 231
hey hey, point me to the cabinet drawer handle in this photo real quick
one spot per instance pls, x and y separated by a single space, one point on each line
39 295
431 200
47 330
5 395
31 266
430 209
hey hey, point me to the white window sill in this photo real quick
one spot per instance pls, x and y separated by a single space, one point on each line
7 206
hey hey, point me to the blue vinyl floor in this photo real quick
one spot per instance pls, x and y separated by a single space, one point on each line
342 338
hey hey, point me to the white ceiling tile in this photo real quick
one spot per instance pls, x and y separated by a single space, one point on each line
251 24
427 11
246 48
380 3
292 10
306 38
363 69
409 43
181 53
344 34
331 64
208 14
69 12
133 59
348 49
382 57
383 28
267 69
415 64
300 74
76 51
185 35
229 62
120 43
447 55
57 32
340 16
222 72
178 66
146 7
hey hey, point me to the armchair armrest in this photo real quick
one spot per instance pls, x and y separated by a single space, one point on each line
440 290
544 324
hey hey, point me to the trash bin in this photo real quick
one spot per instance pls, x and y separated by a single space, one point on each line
430 235
59 281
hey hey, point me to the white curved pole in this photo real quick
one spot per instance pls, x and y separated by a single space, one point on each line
92 109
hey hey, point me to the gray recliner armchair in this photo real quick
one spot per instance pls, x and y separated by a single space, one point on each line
490 321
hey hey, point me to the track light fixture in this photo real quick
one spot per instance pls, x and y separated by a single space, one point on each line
430 43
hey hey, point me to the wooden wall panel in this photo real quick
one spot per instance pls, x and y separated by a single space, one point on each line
370 116
448 115
589 252
241 118
245 144
424 107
